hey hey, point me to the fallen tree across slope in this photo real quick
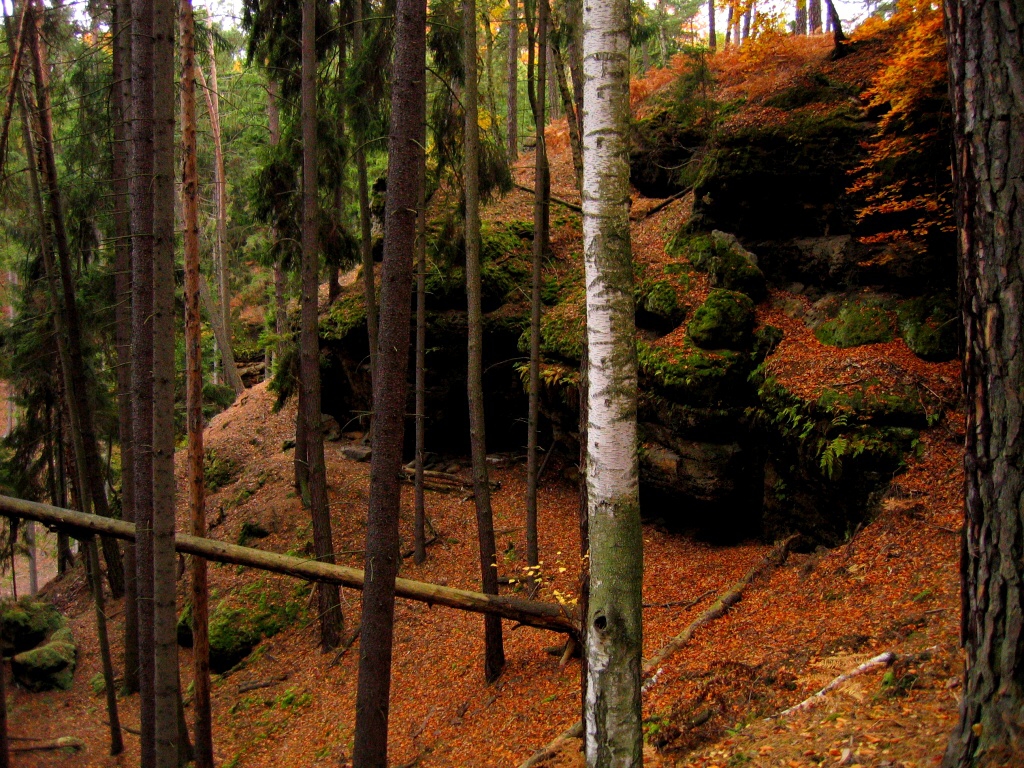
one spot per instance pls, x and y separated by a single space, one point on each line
529 613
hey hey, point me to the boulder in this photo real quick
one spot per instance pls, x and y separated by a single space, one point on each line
724 321
50 667
26 623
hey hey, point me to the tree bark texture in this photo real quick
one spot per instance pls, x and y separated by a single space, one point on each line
986 57
165 645
141 197
712 38
512 100
613 625
494 652
569 108
121 99
329 602
419 500
96 583
405 161
814 16
194 390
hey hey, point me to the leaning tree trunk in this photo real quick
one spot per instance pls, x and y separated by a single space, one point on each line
512 115
96 583
194 390
494 652
613 734
569 108
986 56
309 341
75 385
121 94
405 159
837 26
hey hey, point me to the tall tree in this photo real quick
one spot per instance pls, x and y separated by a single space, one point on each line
405 160
712 39
194 389
814 16
986 65
309 341
512 100
612 708
121 100
102 639
494 652
165 646
419 539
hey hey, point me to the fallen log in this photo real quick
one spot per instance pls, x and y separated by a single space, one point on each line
725 601
64 742
560 201
529 613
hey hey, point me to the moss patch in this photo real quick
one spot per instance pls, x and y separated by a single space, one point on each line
726 262
930 325
50 667
724 321
342 317
26 623
859 322
692 375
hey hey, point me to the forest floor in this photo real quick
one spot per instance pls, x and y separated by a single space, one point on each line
893 586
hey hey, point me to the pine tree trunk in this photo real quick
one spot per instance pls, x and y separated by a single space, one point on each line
540 214
194 390
121 97
365 232
836 25
612 734
280 281
419 501
712 39
728 26
96 583
512 100
814 16
569 108
800 18
405 159
494 653
331 621
76 388
986 64
748 16
574 51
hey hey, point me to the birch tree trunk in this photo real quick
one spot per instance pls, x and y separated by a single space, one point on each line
612 724
986 65
405 161
194 390
494 653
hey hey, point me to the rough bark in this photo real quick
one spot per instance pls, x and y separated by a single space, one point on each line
712 39
405 159
141 195
87 452
121 99
419 500
837 26
814 16
280 281
494 652
800 18
569 108
986 56
549 616
612 721
512 100
329 602
194 390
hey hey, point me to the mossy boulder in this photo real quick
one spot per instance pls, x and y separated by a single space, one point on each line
859 321
691 375
724 321
729 265
657 306
50 667
26 623
562 329
930 325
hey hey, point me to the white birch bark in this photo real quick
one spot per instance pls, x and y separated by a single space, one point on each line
613 631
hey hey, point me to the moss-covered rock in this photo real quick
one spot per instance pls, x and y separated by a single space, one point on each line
346 313
728 264
766 339
26 623
930 325
692 375
50 667
858 322
724 321
657 306
562 329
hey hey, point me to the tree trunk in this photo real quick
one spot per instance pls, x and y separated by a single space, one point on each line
212 95
613 623
121 98
569 107
419 501
365 232
748 15
540 215
712 40
96 583
494 653
405 159
75 384
280 282
814 16
512 115
574 50
331 621
194 389
662 33
800 18
728 25
837 26
986 64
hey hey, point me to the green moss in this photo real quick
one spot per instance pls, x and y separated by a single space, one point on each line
46 668
766 339
691 375
562 329
858 323
218 470
724 321
237 625
726 264
26 623
930 325
342 317
870 401
251 530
